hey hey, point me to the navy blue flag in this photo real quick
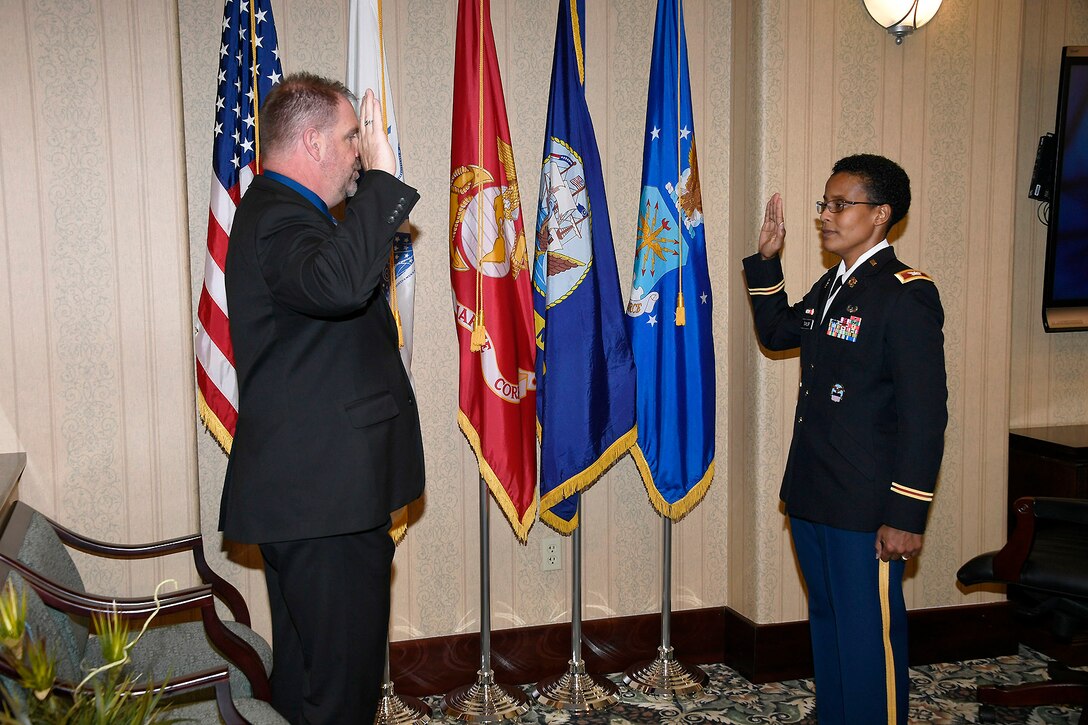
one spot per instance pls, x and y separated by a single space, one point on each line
670 310
584 370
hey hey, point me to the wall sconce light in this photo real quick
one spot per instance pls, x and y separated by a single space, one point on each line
902 17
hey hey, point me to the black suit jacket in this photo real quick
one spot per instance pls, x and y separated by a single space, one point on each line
328 439
868 433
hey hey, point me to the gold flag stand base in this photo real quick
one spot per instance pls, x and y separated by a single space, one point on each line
665 676
485 701
394 709
577 691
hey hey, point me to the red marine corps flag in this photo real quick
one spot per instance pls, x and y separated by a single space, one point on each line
491 273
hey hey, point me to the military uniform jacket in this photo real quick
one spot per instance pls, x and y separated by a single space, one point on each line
328 439
868 433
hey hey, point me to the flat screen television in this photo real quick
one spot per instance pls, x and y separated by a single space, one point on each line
1065 284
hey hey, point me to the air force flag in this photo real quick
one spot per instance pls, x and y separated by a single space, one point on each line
671 304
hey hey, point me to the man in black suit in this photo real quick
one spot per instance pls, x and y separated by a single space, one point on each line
328 441
868 434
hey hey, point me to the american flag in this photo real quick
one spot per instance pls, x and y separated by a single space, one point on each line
249 66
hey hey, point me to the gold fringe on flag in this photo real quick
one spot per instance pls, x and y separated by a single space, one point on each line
398 529
582 481
502 498
219 431
681 508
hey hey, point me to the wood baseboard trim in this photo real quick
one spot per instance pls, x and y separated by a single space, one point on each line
438 665
783 651
760 652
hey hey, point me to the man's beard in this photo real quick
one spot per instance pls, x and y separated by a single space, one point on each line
353 184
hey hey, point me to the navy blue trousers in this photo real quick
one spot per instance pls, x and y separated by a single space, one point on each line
859 626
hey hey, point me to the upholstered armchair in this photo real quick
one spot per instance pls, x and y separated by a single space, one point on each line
195 647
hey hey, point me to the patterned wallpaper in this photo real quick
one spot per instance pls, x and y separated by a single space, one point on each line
95 358
1047 377
944 105
436 580
104 177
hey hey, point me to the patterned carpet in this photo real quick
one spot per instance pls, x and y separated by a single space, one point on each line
943 694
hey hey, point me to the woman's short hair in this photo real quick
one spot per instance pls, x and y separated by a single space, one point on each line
884 180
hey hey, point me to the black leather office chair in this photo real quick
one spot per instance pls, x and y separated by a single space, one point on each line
1045 567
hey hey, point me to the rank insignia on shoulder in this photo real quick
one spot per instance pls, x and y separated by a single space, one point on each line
911 275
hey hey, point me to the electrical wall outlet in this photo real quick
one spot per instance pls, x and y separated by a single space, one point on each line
551 554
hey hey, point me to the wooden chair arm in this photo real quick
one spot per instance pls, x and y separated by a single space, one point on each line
1010 560
238 651
201 598
122 551
193 543
1029 510
218 679
129 608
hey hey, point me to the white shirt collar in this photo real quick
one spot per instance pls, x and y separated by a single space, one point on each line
845 273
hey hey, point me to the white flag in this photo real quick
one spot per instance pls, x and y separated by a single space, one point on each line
368 68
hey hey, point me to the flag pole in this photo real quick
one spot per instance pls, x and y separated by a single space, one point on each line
256 92
666 675
576 690
485 700
394 709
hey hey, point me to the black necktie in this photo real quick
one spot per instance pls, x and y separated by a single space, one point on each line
834 288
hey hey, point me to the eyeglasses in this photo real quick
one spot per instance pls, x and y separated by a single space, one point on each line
836 205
